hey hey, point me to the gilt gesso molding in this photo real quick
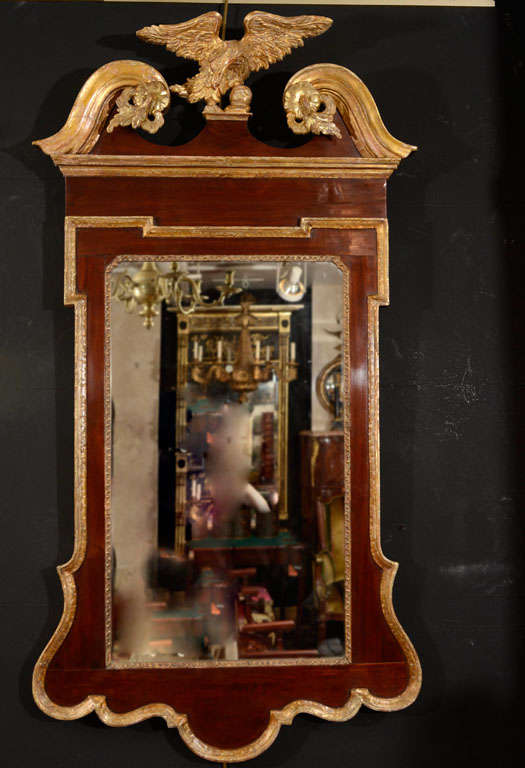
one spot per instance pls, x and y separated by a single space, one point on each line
357 107
358 696
380 151
93 104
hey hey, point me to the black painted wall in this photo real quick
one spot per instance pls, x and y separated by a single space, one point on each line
450 81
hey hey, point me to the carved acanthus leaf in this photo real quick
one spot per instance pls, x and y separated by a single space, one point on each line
357 108
308 111
141 106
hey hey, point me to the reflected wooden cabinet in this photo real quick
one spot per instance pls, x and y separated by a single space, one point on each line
322 455
227 572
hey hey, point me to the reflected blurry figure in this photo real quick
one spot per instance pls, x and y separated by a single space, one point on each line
132 624
229 466
131 620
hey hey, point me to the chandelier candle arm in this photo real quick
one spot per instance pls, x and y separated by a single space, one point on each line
149 287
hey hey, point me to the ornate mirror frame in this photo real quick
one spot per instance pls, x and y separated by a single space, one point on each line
324 200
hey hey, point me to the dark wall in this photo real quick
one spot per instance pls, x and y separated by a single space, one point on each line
448 80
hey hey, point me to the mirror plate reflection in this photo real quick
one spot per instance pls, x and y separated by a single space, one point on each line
227 463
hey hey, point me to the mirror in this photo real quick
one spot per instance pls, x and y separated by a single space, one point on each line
214 395
223 548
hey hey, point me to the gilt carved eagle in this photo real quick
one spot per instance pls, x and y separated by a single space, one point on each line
225 64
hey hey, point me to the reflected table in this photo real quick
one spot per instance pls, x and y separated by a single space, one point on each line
280 556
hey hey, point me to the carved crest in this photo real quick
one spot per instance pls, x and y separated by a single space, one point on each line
225 64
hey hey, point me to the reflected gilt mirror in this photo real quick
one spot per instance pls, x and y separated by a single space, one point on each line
227 573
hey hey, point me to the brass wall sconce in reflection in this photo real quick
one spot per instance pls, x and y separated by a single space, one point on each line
249 368
290 282
146 289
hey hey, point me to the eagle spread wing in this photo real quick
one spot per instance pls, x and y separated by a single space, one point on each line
268 37
195 39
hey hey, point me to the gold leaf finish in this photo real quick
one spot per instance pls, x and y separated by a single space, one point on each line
285 716
141 107
225 64
215 166
93 104
311 99
356 106
309 112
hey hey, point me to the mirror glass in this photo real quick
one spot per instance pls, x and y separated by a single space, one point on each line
226 470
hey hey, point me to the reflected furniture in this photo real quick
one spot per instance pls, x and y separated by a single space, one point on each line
322 454
330 564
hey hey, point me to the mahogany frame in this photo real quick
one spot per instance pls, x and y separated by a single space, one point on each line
326 201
